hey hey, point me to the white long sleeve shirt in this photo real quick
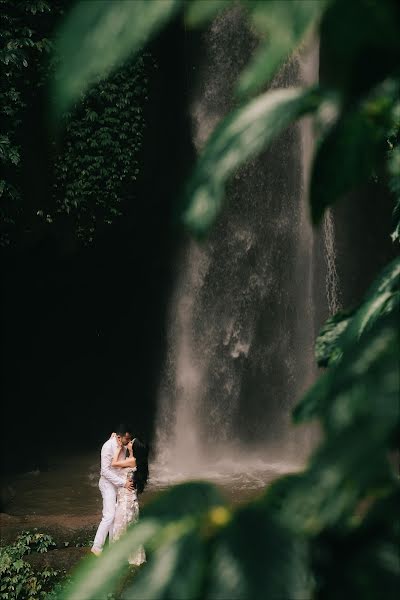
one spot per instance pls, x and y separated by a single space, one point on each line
112 474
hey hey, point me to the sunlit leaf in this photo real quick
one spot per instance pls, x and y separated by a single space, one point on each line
240 136
284 23
97 36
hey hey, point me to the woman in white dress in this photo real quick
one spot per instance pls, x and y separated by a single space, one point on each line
135 465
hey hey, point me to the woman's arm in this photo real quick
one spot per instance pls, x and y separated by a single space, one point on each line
127 462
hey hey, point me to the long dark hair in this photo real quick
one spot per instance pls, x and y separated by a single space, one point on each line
141 453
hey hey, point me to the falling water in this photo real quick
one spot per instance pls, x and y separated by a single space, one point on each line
332 279
241 322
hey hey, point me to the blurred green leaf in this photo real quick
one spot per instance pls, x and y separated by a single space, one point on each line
368 554
284 23
198 12
96 577
163 528
175 570
394 186
395 235
348 468
238 137
186 499
255 556
356 142
360 43
97 36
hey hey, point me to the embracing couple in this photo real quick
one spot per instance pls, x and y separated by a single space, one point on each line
123 475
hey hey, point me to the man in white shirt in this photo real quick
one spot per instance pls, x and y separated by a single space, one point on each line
110 480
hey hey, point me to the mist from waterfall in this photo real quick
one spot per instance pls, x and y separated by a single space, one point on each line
241 320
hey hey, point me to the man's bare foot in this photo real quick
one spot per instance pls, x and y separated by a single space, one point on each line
95 552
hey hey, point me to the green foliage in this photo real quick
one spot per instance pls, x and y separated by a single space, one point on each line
23 43
283 25
329 531
382 298
97 159
18 579
240 136
356 141
394 169
327 350
361 44
197 547
351 357
100 156
368 556
29 541
199 13
107 33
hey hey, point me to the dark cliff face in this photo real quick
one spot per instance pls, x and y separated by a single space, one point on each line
83 329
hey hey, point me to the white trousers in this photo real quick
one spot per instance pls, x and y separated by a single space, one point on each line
109 494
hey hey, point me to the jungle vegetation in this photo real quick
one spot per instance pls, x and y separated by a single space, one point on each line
330 531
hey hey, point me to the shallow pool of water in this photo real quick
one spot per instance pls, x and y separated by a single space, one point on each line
69 486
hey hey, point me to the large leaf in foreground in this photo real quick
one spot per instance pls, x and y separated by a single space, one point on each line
360 43
165 522
357 401
347 469
97 36
368 554
284 23
198 12
255 556
353 148
96 578
175 570
365 381
240 136
186 499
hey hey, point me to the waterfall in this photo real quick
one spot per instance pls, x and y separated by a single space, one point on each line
241 320
332 279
